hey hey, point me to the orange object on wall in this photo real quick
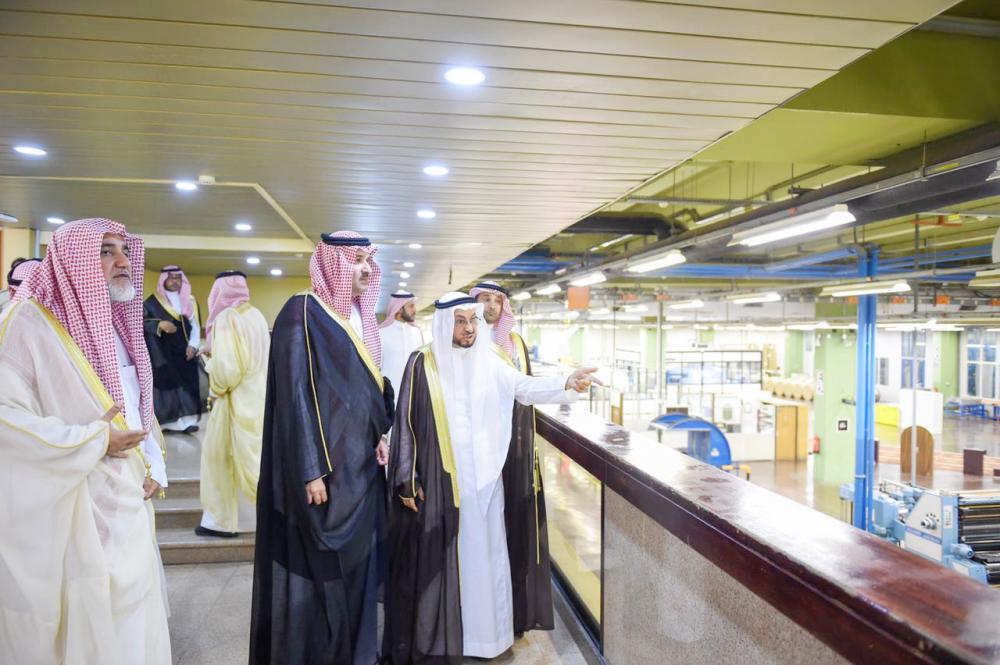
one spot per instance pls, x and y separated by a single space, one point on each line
942 300
578 298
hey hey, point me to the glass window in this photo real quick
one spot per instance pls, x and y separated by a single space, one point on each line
972 385
974 353
883 371
988 373
975 336
990 354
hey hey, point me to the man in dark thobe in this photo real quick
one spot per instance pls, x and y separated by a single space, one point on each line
321 495
173 335
524 495
446 514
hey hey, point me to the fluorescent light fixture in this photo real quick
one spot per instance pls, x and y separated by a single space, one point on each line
549 290
10 219
608 243
819 325
589 280
865 289
253 260
243 226
465 76
55 220
414 245
754 298
426 213
402 283
701 326
995 175
671 258
521 295
409 264
985 279
796 225
602 310
30 150
277 272
404 275
687 304
635 308
571 315
186 185
435 170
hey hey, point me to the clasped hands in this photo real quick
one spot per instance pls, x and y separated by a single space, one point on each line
121 441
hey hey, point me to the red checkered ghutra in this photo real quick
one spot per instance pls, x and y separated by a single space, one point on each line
70 283
331 269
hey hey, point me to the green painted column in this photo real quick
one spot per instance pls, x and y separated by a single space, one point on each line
793 353
835 381
947 378
576 346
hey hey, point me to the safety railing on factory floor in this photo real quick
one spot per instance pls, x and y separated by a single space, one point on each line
669 560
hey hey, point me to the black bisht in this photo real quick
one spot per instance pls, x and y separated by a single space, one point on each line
423 614
525 521
176 380
316 569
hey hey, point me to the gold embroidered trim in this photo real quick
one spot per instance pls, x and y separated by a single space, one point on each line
359 344
312 382
441 420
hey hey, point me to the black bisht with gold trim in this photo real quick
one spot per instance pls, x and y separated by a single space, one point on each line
316 569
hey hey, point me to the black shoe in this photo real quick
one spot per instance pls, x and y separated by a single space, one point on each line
190 429
171 431
212 533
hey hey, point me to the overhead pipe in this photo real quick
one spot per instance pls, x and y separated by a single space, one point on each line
811 259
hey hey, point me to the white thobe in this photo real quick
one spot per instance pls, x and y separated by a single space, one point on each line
485 584
151 450
194 339
399 340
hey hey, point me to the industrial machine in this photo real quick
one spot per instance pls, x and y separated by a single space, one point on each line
960 530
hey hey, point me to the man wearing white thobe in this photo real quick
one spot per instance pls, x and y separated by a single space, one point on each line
400 336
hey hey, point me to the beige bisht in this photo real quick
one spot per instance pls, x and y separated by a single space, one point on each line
230 453
79 571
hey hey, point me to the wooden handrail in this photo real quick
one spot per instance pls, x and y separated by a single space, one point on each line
866 598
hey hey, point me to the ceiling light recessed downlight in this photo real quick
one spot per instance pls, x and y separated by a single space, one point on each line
186 185
30 150
465 76
414 245
435 170
409 264
404 275
243 226
277 272
402 283
55 220
426 213
252 260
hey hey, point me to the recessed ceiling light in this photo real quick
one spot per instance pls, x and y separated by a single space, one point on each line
253 260
414 245
404 275
435 170
409 264
426 213
30 150
277 272
402 283
185 185
55 220
465 76
243 226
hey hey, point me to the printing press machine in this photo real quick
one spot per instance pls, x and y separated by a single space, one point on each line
960 530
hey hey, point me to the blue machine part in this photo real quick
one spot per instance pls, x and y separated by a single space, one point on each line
706 442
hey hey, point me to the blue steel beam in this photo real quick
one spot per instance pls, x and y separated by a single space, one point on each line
934 258
864 409
811 259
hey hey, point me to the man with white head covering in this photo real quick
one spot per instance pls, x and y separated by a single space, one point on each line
80 573
237 343
449 444
321 495
173 335
524 496
400 336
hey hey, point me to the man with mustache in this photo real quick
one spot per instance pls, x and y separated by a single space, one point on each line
81 574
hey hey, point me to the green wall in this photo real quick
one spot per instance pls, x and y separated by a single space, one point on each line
947 379
793 353
576 346
836 359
